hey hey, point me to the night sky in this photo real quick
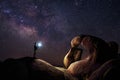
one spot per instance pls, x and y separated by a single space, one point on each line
54 23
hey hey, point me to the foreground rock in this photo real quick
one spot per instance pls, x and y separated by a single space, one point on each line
89 58
28 68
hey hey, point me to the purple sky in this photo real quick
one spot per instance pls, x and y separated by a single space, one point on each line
55 23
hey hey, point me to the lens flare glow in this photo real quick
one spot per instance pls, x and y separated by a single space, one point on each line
39 44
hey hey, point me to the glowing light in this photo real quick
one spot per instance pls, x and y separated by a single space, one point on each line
39 44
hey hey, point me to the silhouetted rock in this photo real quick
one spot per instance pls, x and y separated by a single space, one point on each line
16 69
29 68
90 58
108 71
87 54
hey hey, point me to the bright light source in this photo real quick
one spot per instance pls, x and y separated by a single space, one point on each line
39 44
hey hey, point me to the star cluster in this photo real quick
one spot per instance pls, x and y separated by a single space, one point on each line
55 23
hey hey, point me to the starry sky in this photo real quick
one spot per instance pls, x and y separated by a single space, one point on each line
54 23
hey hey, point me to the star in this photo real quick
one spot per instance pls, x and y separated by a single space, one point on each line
7 11
54 22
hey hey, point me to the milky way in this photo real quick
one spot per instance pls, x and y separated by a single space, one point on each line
55 23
